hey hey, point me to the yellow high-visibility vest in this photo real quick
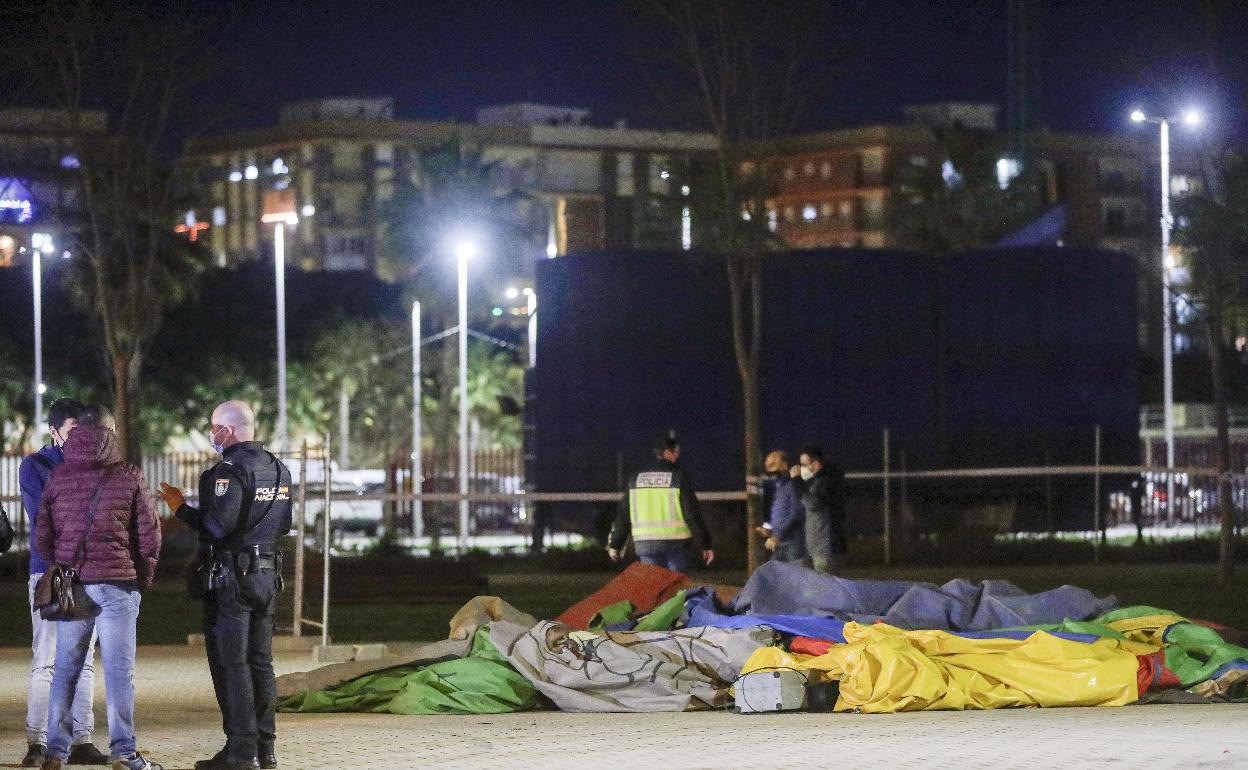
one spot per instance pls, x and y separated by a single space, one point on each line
654 507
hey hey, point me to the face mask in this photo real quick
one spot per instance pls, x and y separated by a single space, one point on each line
807 473
218 445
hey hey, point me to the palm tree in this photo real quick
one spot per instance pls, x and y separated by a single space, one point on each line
1214 231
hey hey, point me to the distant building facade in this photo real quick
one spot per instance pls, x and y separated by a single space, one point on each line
580 187
40 196
834 188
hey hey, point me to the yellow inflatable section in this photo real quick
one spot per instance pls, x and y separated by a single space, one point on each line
883 669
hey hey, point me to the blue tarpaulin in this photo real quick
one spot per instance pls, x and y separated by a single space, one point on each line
800 601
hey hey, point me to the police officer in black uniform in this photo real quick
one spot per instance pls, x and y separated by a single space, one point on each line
244 509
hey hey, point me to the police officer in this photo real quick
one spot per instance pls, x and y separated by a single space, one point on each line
661 513
244 509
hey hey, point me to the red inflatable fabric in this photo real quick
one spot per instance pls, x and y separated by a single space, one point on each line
807 646
645 585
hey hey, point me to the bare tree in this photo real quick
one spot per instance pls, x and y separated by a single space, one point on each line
744 72
142 64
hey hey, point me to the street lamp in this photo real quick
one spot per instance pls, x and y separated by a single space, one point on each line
464 251
1190 118
280 214
40 244
418 472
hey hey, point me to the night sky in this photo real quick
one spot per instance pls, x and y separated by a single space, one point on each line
444 59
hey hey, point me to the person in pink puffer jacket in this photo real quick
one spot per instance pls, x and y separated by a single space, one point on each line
116 560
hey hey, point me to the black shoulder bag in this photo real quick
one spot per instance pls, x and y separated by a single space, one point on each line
60 594
6 531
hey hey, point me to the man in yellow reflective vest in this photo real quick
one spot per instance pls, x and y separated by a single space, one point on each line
661 514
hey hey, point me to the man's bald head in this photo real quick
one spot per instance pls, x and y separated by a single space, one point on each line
238 417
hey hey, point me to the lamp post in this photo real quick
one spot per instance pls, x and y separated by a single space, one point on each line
40 244
279 211
36 279
464 250
1190 118
418 510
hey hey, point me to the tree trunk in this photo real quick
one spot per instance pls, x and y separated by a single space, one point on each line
744 282
125 407
1226 500
754 513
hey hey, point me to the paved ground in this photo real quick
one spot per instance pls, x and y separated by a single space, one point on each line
178 723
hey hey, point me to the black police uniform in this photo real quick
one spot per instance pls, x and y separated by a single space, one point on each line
244 510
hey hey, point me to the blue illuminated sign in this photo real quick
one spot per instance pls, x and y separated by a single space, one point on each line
17 205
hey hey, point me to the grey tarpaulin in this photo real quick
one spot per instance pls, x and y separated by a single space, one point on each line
685 670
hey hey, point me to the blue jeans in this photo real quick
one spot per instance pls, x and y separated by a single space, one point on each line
672 554
115 621
42 660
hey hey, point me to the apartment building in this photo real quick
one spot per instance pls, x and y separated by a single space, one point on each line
579 187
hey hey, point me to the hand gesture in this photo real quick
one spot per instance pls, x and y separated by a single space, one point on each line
172 496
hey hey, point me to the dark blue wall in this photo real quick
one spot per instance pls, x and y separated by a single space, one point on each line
1040 345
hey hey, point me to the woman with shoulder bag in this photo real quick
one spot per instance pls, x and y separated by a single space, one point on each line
97 526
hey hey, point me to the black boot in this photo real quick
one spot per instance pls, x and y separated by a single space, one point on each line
87 754
35 754
221 762
268 758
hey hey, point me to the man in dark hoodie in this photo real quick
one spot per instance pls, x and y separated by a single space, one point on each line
32 478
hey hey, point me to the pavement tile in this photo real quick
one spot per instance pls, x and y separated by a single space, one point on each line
178 723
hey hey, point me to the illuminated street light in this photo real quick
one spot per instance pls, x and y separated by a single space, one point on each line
1190 118
512 292
464 251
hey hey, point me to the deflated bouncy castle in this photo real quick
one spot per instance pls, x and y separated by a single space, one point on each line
652 640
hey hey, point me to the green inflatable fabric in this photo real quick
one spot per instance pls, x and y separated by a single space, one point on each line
1193 652
482 683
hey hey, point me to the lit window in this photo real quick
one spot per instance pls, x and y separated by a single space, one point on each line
789 214
745 215
684 189
686 228
772 220
236 176
70 161
918 161
251 172
846 208
809 168
789 174
809 212
279 166
825 169
825 209
950 175
218 216
1180 185
1007 170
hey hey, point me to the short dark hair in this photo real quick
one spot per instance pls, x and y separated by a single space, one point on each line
96 414
813 452
664 444
63 409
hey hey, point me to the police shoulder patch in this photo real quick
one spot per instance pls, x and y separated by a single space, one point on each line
221 487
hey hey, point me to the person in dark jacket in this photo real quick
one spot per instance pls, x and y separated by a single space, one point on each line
115 552
661 514
787 517
244 510
32 477
823 497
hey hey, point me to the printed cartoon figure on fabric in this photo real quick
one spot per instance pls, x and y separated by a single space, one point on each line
244 510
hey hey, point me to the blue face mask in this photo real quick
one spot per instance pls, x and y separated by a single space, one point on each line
218 445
